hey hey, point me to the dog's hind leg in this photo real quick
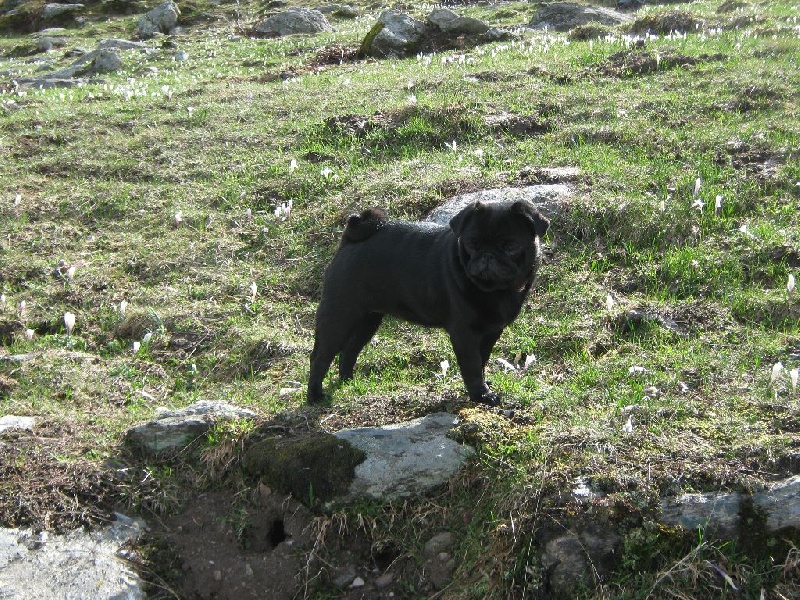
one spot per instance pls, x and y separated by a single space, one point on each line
359 337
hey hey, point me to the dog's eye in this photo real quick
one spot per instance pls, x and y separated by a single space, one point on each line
511 247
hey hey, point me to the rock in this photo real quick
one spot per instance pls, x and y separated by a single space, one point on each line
79 564
173 429
441 542
295 20
395 34
315 468
439 570
47 43
9 422
107 60
720 514
405 458
46 83
120 44
452 24
383 581
53 11
161 19
342 577
343 11
574 560
549 199
563 16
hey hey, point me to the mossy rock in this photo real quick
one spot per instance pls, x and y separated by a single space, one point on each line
314 469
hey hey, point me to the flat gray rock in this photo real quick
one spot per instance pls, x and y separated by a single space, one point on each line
719 513
549 199
173 429
563 16
405 458
8 422
79 565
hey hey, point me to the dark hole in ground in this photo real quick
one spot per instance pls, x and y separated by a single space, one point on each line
384 553
277 534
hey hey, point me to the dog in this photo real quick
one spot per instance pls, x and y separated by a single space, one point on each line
470 278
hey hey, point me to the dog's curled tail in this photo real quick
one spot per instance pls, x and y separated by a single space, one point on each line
360 227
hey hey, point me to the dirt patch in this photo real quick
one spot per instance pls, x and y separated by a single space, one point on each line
46 494
643 62
517 125
258 544
238 552
755 159
667 22
326 56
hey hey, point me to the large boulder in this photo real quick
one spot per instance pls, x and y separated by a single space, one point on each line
56 11
295 20
451 23
162 19
563 16
395 34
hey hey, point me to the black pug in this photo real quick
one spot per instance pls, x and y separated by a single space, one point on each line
470 278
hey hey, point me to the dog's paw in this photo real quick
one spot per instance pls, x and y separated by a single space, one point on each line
490 399
316 398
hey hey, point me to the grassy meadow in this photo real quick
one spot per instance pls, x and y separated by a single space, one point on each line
183 209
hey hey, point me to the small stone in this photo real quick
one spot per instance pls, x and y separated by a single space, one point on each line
248 570
217 575
343 576
439 544
357 583
384 581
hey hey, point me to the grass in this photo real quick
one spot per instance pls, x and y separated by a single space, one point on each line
101 170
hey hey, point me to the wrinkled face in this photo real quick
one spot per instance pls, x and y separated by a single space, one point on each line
499 245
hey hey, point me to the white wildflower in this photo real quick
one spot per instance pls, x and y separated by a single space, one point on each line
628 427
609 302
445 365
777 369
69 322
509 368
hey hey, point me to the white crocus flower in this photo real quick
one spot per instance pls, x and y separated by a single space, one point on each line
69 322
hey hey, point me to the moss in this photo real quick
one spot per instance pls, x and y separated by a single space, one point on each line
313 469
366 45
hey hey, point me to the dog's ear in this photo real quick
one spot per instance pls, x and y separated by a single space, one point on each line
538 221
458 222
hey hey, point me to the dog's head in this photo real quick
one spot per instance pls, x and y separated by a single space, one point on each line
498 244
